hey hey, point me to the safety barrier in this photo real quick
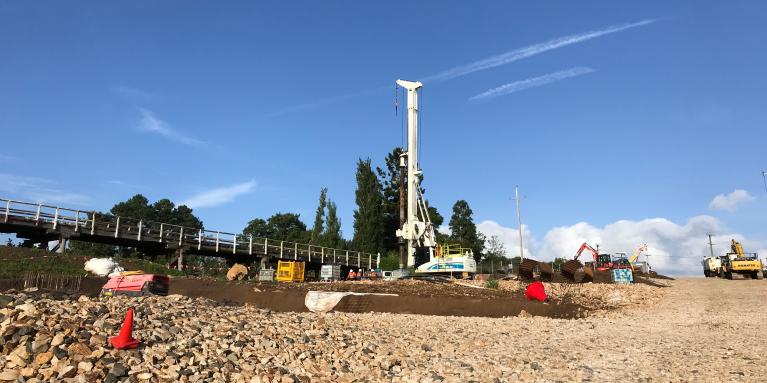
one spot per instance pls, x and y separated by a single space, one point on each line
290 271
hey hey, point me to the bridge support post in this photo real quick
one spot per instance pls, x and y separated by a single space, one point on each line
180 262
62 244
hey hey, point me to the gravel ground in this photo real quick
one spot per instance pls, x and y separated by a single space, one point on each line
695 330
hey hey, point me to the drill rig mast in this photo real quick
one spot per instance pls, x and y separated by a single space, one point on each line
417 230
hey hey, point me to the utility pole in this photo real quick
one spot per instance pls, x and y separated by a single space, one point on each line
519 224
764 177
711 245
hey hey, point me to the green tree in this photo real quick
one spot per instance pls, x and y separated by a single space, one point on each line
88 249
183 215
369 217
257 228
390 183
164 210
464 231
390 261
319 217
331 237
136 207
287 227
494 248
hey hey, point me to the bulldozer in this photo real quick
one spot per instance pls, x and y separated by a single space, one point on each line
738 264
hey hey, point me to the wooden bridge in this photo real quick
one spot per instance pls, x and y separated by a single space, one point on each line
38 223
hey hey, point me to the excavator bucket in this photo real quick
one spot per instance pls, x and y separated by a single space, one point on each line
575 272
526 268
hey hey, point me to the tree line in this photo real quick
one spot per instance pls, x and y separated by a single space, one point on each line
376 217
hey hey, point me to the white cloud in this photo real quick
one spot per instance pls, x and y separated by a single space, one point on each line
675 249
39 190
151 124
730 201
534 82
532 50
509 237
218 196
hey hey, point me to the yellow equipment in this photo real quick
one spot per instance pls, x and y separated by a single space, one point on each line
290 271
636 255
741 264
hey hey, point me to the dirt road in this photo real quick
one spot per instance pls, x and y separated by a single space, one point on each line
703 330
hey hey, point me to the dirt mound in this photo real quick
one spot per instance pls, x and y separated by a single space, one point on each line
413 297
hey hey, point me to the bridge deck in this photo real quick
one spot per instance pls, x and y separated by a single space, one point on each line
45 223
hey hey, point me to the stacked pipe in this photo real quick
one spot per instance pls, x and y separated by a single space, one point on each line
527 268
575 272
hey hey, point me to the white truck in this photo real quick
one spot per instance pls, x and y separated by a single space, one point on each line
712 266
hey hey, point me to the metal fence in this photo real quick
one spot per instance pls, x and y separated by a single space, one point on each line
121 228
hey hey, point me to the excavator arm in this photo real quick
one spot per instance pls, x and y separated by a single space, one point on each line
586 246
636 255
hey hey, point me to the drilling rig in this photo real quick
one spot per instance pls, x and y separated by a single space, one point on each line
417 231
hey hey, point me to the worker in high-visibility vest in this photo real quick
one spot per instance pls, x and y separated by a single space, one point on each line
352 275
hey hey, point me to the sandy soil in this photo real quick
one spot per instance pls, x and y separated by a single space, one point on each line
702 330
695 330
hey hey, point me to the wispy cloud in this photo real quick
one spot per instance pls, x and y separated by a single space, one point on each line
218 196
487 63
325 101
7 158
532 50
516 86
151 124
33 189
731 201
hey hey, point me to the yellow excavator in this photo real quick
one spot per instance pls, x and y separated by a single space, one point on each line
740 264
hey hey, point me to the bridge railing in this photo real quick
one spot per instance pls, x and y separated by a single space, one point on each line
41 213
94 223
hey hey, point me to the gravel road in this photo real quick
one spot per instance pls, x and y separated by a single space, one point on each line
694 330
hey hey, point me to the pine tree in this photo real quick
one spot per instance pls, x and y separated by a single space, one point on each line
390 182
332 235
464 231
318 218
369 217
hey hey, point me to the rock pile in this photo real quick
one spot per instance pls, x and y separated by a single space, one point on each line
198 340
593 296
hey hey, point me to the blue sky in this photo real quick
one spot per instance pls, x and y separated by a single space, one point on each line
265 103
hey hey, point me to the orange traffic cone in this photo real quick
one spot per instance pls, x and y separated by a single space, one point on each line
124 340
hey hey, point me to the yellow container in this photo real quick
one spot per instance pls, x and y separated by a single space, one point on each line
290 271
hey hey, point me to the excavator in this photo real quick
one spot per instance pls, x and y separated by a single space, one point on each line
575 271
740 264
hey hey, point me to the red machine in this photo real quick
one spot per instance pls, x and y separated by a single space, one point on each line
136 284
584 272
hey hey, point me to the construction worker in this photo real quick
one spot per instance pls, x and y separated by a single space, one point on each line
352 275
